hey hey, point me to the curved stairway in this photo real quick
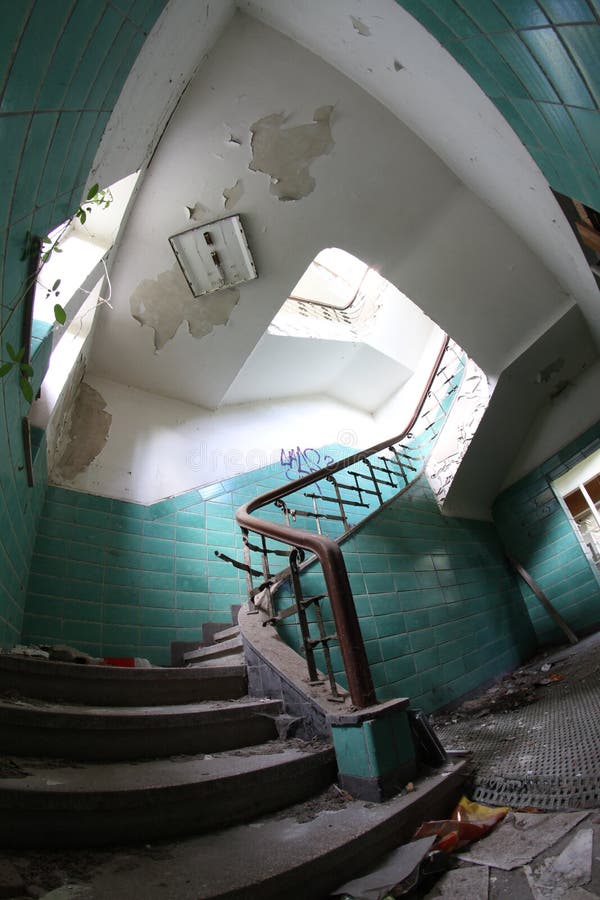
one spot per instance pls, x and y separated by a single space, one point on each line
95 755
231 811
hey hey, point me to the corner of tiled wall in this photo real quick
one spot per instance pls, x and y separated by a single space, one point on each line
539 63
55 100
537 532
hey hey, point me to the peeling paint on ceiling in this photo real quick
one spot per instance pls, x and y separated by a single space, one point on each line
233 194
166 302
87 433
286 153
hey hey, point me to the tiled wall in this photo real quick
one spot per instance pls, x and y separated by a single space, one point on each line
538 533
62 66
121 579
439 611
539 62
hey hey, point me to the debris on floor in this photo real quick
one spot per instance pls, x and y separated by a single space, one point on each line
64 653
556 876
521 837
472 883
428 853
469 822
543 754
398 867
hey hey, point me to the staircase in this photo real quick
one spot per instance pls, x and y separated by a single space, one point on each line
95 755
102 757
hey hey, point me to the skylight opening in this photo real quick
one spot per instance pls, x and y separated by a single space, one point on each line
333 279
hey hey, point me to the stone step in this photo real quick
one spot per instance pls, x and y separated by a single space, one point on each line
304 852
229 659
111 686
109 803
224 648
226 634
35 728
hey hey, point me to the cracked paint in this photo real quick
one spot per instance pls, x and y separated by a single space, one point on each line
360 27
166 302
286 153
233 194
86 434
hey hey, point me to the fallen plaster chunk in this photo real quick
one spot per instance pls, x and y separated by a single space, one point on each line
557 876
86 435
520 838
286 153
166 302
233 194
396 867
360 26
471 882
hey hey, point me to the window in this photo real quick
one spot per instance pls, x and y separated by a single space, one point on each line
584 505
580 492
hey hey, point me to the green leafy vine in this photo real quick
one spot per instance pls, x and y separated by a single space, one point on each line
49 245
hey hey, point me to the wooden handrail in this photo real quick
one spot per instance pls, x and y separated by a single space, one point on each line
329 554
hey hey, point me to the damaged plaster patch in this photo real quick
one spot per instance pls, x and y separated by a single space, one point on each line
233 194
360 26
286 153
166 302
87 432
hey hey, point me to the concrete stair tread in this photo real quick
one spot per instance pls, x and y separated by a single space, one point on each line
110 780
47 804
307 850
100 733
235 707
106 685
232 661
232 645
226 634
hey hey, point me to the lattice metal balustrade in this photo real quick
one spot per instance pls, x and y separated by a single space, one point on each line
336 500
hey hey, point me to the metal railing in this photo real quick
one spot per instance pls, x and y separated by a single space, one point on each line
342 496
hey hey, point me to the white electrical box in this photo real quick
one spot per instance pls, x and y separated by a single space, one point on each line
214 256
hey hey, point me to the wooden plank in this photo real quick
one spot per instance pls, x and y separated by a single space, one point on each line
589 236
550 609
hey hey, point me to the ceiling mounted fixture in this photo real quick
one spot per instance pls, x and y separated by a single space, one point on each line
214 256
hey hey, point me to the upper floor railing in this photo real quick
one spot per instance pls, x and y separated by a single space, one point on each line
313 513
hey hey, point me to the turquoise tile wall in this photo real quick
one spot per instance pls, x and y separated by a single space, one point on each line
121 579
539 63
62 66
439 611
538 533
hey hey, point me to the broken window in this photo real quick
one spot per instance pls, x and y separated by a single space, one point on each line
580 491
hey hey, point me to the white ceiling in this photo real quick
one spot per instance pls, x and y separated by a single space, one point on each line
470 232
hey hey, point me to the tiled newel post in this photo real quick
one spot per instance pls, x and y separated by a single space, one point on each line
374 749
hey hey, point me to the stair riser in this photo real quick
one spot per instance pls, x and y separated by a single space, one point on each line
51 820
106 743
324 872
105 686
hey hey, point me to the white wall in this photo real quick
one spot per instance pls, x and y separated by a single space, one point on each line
560 421
158 447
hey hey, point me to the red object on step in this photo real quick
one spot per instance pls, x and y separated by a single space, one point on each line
124 662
